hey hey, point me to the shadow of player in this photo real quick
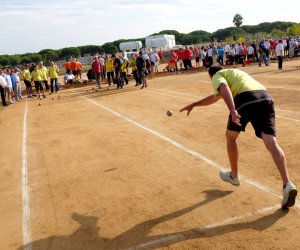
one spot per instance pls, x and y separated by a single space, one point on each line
87 235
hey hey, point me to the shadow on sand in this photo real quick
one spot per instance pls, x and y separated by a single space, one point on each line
87 235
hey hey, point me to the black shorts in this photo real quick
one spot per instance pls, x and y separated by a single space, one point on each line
27 83
38 85
75 72
256 107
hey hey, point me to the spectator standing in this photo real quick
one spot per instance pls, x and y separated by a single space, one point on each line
73 67
2 88
66 65
79 68
132 64
155 59
96 66
141 68
18 91
9 86
220 59
279 51
187 57
117 69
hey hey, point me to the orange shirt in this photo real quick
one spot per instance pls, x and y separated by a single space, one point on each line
73 65
78 65
67 65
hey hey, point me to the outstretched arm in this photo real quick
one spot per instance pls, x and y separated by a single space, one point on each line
203 102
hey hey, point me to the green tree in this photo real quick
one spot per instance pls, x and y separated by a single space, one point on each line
294 29
90 50
110 48
4 60
66 53
237 21
15 60
276 33
25 59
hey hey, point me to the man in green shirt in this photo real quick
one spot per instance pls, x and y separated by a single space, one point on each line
247 101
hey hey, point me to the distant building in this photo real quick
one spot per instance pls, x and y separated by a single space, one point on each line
163 42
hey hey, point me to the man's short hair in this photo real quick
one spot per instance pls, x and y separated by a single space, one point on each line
213 69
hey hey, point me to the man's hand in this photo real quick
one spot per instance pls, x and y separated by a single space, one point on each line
235 117
188 108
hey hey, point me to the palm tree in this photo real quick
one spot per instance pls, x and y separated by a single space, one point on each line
237 21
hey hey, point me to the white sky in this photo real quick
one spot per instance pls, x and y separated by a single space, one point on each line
33 25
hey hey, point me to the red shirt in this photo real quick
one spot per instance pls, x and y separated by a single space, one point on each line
173 57
180 54
96 65
187 54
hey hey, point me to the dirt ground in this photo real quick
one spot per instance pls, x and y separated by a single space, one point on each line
109 169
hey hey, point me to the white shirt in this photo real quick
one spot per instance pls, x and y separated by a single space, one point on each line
250 50
227 48
154 57
17 77
146 57
2 81
8 81
279 51
209 52
266 44
69 77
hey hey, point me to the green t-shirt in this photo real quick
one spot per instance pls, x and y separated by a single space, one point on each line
237 80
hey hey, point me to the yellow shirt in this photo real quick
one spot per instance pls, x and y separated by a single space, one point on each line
237 80
53 71
132 64
124 65
44 73
109 65
36 75
26 74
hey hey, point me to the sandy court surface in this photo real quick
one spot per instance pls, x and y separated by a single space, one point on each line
109 170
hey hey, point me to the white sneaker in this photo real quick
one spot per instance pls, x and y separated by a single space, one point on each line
289 194
225 176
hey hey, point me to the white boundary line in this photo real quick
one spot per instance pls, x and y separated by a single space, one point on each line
182 235
189 151
25 188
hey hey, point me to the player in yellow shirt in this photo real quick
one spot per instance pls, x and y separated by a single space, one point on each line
53 73
124 68
36 77
44 75
247 101
109 65
132 64
27 80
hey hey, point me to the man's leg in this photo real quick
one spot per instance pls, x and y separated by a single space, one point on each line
289 191
277 155
233 151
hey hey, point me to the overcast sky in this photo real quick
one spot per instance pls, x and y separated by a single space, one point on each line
33 25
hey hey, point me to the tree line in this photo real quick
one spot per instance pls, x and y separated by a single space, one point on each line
267 29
